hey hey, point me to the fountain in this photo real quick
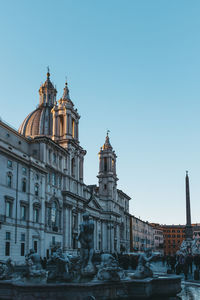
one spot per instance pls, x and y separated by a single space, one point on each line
81 278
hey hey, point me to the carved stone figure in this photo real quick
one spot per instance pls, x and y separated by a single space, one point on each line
186 247
6 269
62 263
86 238
109 269
143 269
34 265
195 247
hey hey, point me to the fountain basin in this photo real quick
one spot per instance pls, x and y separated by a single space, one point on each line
125 289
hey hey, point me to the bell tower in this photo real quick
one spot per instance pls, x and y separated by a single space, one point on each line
66 133
107 171
65 119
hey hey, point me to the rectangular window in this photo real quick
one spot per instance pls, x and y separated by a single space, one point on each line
22 249
23 237
8 209
24 171
36 215
23 212
8 235
7 249
53 240
54 158
9 164
36 190
35 246
24 185
9 180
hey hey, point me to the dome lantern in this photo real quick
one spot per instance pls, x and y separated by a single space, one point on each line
47 92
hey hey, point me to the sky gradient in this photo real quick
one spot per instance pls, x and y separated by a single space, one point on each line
133 67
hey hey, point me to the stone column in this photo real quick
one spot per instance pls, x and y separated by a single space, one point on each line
65 124
95 235
70 228
64 229
54 131
58 126
77 135
42 217
70 124
105 236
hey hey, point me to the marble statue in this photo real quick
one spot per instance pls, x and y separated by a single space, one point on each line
190 247
86 239
6 269
109 269
195 246
143 269
34 265
62 263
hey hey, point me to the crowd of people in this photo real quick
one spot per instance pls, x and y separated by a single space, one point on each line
177 264
182 264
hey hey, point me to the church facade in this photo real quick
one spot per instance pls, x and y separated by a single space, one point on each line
42 190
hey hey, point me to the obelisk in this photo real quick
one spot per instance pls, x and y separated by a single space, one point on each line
188 229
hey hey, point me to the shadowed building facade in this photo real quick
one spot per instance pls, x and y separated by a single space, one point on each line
43 194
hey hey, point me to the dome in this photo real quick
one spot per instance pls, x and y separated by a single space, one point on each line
38 122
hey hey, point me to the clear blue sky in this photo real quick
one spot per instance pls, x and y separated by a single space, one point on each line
133 67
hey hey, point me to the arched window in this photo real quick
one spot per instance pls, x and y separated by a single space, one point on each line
61 126
9 179
81 169
24 185
73 167
73 128
105 164
55 216
54 209
113 165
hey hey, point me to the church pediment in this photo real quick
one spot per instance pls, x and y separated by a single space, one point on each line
93 203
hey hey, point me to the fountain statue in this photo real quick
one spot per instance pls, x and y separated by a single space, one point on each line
62 263
81 277
109 269
6 269
143 269
86 239
34 268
